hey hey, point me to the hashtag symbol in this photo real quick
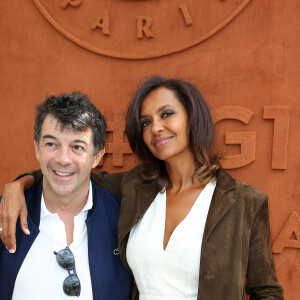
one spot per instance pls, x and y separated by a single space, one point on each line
118 147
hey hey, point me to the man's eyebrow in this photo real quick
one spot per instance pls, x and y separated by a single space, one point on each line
80 141
49 136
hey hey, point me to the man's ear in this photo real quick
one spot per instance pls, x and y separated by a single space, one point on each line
36 148
98 157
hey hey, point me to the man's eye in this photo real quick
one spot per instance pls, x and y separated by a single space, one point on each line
78 148
50 145
167 113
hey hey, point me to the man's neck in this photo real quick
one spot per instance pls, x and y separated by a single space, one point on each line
68 203
67 207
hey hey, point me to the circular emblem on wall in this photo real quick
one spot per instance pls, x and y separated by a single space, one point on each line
139 29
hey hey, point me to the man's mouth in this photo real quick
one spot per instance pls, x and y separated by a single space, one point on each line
62 174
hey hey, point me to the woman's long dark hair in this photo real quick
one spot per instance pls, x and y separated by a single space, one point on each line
201 131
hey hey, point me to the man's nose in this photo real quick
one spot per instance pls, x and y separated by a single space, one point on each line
64 156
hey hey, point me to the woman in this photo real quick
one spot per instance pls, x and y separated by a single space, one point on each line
187 229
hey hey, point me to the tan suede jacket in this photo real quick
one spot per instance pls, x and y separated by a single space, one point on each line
236 253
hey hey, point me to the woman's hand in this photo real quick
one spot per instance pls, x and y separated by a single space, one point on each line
12 206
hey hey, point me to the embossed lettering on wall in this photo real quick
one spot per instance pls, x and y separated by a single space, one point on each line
246 140
281 117
186 14
143 25
102 23
144 29
289 237
73 3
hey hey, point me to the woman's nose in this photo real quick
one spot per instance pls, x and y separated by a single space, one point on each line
157 127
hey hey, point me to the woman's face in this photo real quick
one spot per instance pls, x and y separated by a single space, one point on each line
164 122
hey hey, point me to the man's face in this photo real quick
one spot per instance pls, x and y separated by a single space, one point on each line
66 158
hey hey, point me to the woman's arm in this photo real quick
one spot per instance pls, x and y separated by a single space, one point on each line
110 182
12 206
261 279
13 203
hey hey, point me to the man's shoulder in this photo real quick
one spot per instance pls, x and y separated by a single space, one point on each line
29 192
105 197
34 191
106 207
103 192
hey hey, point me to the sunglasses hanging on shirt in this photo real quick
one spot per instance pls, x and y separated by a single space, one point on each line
66 260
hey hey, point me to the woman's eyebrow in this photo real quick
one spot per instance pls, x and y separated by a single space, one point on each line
158 110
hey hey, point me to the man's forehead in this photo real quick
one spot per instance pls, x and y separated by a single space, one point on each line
53 124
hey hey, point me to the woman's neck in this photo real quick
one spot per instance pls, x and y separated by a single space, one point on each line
181 173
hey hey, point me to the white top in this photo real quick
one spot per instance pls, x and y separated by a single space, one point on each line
40 276
173 273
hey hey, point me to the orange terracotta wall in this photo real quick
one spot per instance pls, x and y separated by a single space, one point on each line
244 55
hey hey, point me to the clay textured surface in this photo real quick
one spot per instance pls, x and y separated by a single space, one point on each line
244 56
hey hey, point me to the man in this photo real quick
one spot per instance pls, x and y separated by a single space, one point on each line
72 248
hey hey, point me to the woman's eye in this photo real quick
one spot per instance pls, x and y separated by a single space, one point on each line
167 113
145 123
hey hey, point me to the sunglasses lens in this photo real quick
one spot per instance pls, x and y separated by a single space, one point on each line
71 285
65 259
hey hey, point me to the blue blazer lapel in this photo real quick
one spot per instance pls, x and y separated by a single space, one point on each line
110 280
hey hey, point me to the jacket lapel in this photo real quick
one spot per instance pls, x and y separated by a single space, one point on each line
137 196
132 211
220 204
146 195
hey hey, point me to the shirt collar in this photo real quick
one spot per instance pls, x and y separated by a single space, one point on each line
88 205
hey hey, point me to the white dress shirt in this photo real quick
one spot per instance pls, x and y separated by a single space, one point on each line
173 273
40 276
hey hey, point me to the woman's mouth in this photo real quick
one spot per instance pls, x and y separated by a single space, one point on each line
162 141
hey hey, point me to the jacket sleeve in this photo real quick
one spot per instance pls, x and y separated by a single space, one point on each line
37 174
109 182
261 279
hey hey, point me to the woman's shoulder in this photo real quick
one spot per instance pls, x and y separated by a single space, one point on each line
134 176
239 190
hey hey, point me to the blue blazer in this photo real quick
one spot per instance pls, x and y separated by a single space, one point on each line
110 279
